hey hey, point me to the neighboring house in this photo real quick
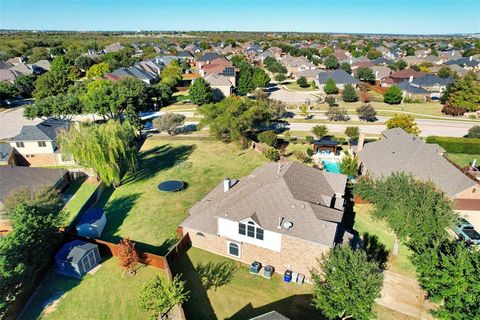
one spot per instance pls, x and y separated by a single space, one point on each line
449 55
435 85
4 65
193 48
36 145
13 178
165 59
309 74
459 70
153 67
114 47
221 85
466 62
381 71
7 157
298 64
282 214
401 76
43 65
340 77
132 72
221 67
207 58
399 151
22 68
341 54
382 61
9 75
413 92
185 54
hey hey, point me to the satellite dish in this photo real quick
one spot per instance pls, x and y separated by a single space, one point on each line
287 224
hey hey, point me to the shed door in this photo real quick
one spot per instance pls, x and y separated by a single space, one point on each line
89 261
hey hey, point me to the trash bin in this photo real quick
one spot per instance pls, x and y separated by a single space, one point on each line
255 267
268 271
300 278
287 277
294 276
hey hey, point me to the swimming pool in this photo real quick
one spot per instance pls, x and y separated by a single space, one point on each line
331 166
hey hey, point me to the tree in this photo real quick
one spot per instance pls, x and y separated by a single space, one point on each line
172 74
304 110
330 87
336 113
400 64
280 77
268 137
331 62
97 70
320 131
339 292
260 78
277 108
272 154
373 54
367 112
62 106
403 121
302 82
346 67
160 93
168 122
25 84
128 256
444 72
245 81
474 132
84 62
200 92
349 165
393 95
109 149
326 52
463 93
365 74
349 94
8 90
352 132
160 295
54 82
26 251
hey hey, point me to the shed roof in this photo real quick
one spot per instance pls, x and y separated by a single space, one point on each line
92 215
74 251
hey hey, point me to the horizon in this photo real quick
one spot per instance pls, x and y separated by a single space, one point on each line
406 17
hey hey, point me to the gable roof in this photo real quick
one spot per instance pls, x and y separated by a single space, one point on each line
44 131
209 56
339 76
74 251
431 80
5 151
400 151
407 73
465 61
289 190
217 80
5 65
407 86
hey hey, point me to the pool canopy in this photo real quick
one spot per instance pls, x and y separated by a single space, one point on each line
171 186
325 144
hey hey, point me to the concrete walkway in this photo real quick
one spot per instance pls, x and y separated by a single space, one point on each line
403 294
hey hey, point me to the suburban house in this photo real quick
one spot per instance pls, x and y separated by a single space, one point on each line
340 77
36 145
114 47
309 74
435 85
466 62
413 92
296 64
282 214
207 58
381 72
399 151
221 85
220 66
400 76
132 72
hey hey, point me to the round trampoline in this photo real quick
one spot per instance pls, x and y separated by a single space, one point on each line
171 186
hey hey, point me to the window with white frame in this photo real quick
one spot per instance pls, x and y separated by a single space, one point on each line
20 144
234 249
42 144
250 230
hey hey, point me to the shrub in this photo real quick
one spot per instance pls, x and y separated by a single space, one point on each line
410 100
349 93
302 82
309 152
268 137
302 156
331 101
330 87
309 139
352 132
367 113
474 132
320 131
272 154
337 114
453 111
457 145
393 95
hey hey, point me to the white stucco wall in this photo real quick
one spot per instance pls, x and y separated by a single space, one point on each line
229 229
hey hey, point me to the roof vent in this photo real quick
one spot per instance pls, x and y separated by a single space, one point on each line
287 225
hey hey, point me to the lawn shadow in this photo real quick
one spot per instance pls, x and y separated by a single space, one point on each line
297 306
375 249
198 305
157 159
215 275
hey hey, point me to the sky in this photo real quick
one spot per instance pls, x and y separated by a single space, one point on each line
339 16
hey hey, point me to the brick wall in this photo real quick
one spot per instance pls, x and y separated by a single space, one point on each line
296 254
42 159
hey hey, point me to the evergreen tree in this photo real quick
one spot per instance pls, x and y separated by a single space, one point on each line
349 93
330 87
393 95
200 92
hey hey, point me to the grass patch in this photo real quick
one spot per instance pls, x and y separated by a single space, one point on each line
293 86
365 223
81 189
463 159
138 210
244 295
107 294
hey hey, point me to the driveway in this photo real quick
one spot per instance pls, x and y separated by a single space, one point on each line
288 96
11 122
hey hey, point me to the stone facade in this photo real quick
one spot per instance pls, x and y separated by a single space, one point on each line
296 254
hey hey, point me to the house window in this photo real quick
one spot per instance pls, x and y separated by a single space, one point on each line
242 228
259 234
19 144
233 249
42 144
251 229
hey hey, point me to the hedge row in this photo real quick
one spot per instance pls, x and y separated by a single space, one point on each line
456 145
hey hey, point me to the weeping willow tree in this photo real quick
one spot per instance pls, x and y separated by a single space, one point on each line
109 149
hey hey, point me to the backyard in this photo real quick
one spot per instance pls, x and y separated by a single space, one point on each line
107 294
463 159
79 190
149 217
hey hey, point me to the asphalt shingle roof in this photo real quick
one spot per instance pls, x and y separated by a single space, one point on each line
5 151
339 76
74 251
431 80
209 56
44 131
406 86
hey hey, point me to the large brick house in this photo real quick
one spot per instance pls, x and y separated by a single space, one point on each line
398 151
37 145
282 214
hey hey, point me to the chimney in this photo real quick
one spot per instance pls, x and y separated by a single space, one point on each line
410 79
227 184
470 59
361 141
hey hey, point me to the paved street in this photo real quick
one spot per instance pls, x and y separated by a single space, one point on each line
12 120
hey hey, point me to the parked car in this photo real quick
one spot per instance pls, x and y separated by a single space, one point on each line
466 231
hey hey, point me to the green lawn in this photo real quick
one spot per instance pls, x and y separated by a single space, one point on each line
138 210
365 224
463 159
295 87
107 294
80 189
243 295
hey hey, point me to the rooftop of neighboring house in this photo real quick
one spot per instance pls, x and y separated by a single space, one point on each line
431 80
5 65
43 64
399 151
44 131
407 73
339 76
341 54
5 151
184 54
217 80
134 72
208 56
31 178
308 73
9 75
465 61
311 199
382 61
22 68
114 47
408 87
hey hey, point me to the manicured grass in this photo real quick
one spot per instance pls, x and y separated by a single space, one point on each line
81 189
463 159
295 87
365 224
138 210
244 295
107 294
